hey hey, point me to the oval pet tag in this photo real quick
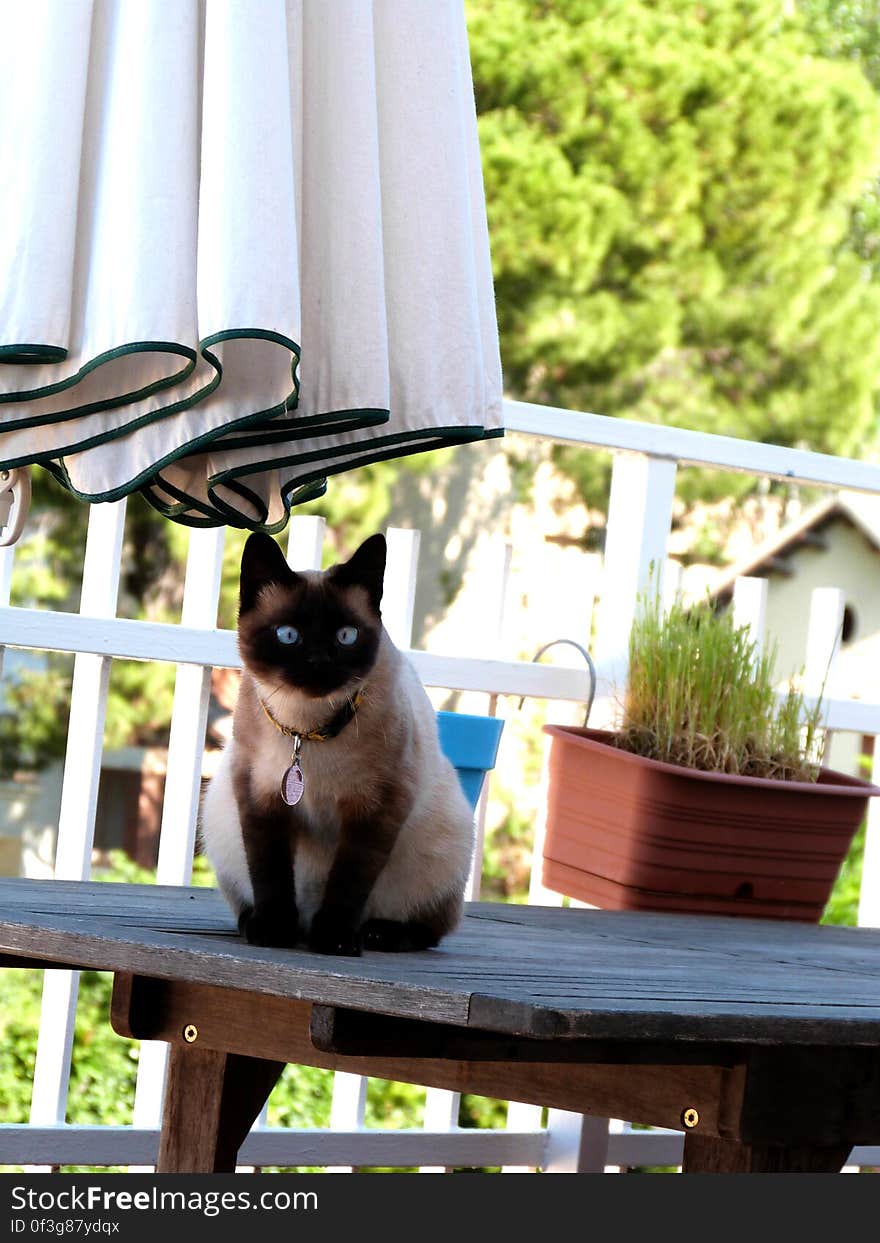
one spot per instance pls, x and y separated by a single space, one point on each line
292 785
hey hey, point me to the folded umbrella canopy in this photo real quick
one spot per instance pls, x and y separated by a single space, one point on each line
243 247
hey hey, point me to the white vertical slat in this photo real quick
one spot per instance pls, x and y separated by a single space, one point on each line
189 717
750 609
522 1117
560 594
79 797
441 1114
576 1143
401 572
496 593
823 637
186 745
347 1109
637 531
305 542
824 630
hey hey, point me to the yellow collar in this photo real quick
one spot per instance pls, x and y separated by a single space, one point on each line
334 726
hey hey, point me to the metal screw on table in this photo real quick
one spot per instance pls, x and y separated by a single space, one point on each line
690 1117
190 1033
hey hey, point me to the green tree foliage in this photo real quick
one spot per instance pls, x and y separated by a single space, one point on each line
850 30
670 189
847 30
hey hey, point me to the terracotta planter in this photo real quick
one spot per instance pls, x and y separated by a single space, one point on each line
628 833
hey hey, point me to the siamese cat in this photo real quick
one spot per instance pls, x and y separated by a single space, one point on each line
334 818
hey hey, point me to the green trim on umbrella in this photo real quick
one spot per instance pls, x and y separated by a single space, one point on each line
263 427
30 354
349 420
268 426
105 403
301 487
155 386
282 429
399 444
312 491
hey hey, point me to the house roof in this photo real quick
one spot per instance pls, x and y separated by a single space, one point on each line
861 510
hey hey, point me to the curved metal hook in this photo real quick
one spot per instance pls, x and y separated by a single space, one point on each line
15 500
587 657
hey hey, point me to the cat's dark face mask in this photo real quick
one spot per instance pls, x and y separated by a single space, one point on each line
313 635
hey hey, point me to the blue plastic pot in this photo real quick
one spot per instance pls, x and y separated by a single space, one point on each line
471 744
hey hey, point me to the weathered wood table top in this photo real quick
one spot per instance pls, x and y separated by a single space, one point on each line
536 972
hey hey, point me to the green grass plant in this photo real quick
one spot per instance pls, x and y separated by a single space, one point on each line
702 695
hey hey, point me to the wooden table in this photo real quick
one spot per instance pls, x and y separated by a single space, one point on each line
761 1040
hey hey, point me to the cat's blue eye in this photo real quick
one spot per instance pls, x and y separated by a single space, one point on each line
347 635
287 634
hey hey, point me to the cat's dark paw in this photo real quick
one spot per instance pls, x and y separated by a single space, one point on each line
269 926
393 936
332 934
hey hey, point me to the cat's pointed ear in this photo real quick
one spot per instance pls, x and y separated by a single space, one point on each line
262 562
365 569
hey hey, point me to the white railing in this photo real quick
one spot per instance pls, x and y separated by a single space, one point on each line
638 524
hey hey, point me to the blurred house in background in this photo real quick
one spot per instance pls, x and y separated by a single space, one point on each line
835 543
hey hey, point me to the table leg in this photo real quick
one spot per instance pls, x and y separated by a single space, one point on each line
211 1101
703 1154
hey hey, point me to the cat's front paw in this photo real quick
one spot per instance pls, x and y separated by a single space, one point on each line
269 925
332 933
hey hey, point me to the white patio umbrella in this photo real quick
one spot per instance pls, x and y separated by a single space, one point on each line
243 246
